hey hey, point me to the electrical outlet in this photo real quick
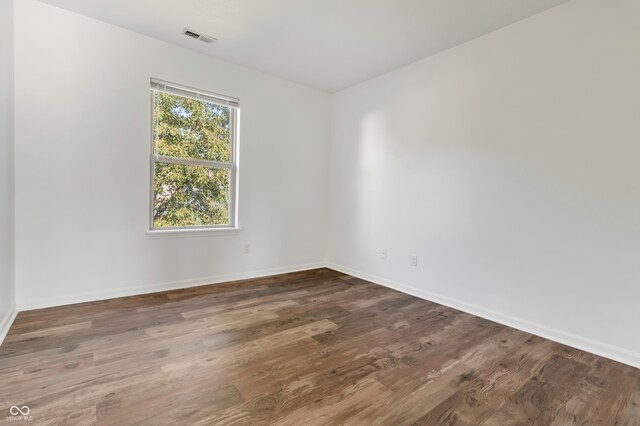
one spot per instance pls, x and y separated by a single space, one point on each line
414 261
247 248
383 254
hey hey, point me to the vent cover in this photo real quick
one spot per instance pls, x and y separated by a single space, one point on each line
198 36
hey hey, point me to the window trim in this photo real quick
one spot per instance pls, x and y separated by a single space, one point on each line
234 106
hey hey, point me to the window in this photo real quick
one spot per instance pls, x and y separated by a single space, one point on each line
193 158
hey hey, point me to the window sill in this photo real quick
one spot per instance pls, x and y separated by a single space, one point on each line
182 233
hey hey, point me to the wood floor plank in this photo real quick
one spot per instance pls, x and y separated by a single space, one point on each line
314 348
631 412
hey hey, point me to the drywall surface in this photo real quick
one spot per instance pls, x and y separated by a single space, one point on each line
82 165
7 297
509 167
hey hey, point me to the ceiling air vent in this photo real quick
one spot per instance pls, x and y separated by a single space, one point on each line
198 36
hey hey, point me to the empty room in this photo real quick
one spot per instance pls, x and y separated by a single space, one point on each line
306 212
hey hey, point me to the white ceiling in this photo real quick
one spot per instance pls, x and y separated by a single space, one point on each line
325 44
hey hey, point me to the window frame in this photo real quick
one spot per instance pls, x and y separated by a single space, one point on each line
232 166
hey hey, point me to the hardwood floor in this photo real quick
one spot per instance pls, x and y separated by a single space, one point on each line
315 347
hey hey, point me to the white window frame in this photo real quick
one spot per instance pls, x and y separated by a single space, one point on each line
234 106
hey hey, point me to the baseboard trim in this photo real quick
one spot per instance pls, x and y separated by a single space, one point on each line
605 350
173 285
602 349
7 321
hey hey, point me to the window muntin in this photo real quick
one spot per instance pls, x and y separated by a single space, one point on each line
193 170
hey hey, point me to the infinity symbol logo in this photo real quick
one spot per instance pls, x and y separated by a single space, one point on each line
14 410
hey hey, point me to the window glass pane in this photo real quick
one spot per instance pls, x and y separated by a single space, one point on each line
188 128
190 196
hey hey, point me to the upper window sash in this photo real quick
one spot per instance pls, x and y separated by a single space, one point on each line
189 92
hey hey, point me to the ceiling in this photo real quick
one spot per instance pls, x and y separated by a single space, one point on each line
325 44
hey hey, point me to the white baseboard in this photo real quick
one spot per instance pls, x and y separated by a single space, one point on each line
569 339
605 350
173 285
7 321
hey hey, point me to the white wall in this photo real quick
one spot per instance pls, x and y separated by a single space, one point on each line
82 164
7 297
510 166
